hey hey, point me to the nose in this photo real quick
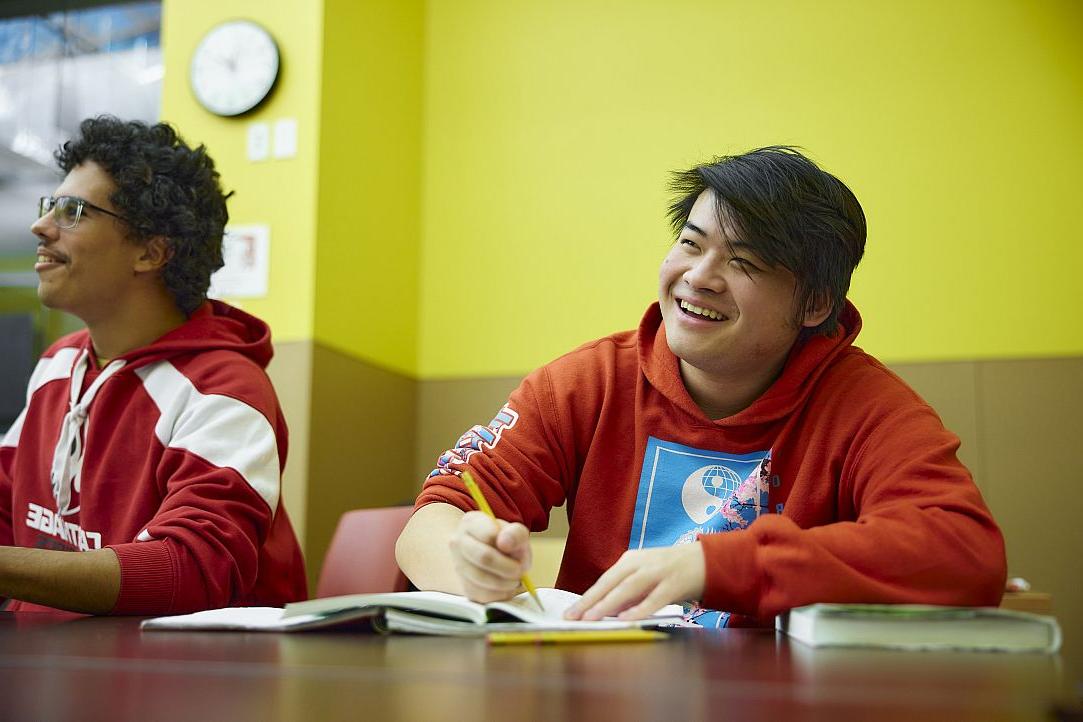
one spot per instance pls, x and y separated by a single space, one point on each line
43 227
705 274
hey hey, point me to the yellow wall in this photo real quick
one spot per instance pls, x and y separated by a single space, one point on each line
503 164
279 193
550 127
369 217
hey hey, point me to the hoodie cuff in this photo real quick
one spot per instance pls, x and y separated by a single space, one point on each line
147 578
733 581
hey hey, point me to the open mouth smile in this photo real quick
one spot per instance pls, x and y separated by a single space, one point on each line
701 313
45 258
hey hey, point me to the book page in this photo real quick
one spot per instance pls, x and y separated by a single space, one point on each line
438 603
441 604
523 606
556 602
399 621
247 618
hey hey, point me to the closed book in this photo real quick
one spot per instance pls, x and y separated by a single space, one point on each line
921 627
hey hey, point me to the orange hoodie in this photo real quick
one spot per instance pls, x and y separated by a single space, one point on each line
839 484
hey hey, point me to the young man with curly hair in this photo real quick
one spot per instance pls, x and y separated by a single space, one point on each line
152 442
736 451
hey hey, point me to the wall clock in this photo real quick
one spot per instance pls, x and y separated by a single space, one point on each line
234 67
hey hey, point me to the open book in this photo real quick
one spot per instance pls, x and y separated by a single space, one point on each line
417 612
921 627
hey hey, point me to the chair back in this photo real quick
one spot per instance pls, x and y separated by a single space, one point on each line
361 558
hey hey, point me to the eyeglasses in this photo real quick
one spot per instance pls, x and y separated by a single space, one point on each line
67 210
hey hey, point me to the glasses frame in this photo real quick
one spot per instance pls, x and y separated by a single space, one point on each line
47 204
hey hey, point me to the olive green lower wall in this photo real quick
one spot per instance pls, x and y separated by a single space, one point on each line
361 444
374 435
352 440
291 373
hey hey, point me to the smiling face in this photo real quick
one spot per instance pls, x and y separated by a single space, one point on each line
88 270
728 315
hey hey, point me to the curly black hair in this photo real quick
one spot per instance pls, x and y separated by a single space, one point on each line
164 188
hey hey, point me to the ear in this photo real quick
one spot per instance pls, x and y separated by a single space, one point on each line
155 253
817 311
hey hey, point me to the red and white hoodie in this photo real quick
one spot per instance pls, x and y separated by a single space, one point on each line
171 455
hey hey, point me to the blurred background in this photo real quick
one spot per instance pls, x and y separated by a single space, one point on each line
57 68
478 186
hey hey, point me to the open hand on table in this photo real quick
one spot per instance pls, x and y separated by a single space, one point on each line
642 582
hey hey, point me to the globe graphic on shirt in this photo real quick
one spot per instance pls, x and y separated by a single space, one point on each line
706 489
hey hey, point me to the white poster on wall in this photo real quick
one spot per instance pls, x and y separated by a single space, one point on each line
246 251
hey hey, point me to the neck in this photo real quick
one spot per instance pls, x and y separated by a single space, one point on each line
133 326
721 395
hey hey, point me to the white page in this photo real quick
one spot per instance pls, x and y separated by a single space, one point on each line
451 605
250 618
556 602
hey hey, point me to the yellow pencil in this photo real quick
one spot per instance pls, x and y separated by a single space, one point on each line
571 636
479 499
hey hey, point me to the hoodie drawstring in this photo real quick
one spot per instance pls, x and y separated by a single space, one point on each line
68 455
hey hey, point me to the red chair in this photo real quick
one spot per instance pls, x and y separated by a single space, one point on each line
361 558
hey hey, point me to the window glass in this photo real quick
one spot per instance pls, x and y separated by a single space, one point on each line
55 70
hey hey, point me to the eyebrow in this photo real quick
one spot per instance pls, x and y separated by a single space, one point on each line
733 245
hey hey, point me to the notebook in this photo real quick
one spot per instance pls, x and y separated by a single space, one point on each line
921 627
435 613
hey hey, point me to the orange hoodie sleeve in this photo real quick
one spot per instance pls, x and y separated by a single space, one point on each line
518 459
909 526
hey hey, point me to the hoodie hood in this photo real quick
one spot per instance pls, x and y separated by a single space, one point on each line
808 359
213 326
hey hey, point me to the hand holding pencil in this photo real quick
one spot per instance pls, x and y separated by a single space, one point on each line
495 574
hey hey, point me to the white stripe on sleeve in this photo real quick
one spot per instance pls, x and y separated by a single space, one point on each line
50 368
222 430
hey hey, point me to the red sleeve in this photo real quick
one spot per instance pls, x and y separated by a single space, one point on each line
221 477
204 547
7 537
7 453
922 534
520 459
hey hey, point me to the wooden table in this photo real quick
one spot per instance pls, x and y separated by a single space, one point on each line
106 669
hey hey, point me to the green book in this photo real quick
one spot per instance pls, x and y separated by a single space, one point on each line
921 627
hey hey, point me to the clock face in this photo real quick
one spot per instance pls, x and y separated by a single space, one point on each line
234 67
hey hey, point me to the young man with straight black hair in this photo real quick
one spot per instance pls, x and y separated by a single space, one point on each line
736 451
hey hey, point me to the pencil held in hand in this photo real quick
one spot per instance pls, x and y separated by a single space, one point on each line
479 499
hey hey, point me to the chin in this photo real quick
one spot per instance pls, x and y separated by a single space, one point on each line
706 365
686 354
49 300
